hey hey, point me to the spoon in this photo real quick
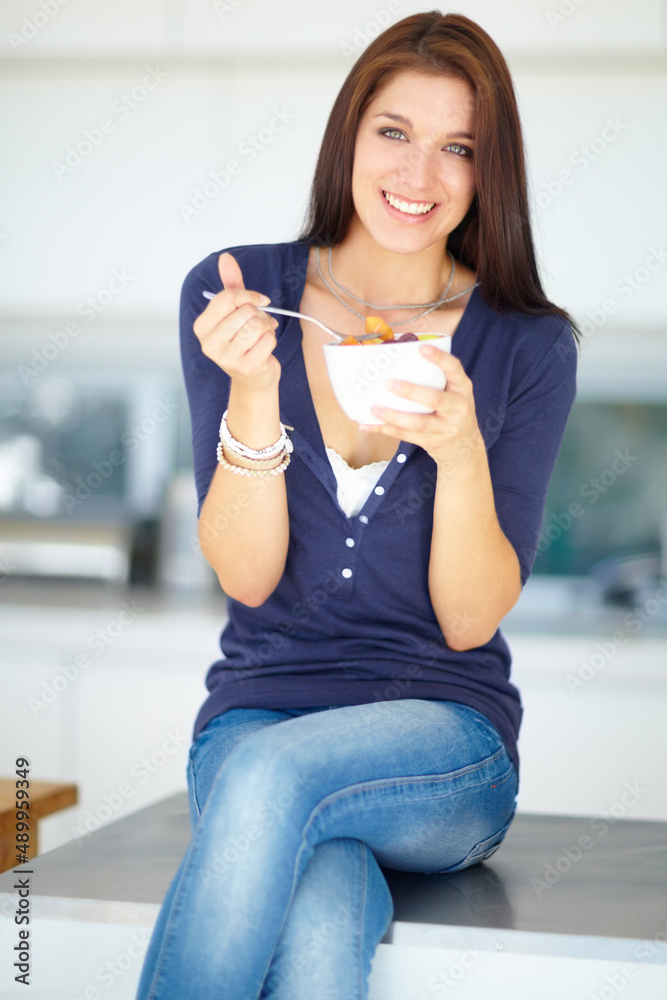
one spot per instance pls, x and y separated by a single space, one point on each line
288 312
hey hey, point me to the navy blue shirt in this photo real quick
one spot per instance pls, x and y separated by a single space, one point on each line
351 621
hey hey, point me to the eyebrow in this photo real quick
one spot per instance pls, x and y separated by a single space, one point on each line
406 121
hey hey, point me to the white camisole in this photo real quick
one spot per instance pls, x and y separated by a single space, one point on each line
354 485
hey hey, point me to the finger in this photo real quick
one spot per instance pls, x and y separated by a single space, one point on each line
457 380
435 400
254 356
230 272
388 428
236 332
244 327
400 421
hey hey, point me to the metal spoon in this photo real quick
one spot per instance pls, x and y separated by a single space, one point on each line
288 312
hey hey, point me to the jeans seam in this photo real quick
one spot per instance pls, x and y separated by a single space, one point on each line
162 958
362 912
407 779
506 777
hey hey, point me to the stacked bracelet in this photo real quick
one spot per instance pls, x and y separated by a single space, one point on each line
242 471
260 457
254 454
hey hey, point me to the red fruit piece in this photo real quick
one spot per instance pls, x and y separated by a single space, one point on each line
407 336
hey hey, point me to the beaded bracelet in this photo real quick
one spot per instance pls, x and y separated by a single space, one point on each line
239 470
253 454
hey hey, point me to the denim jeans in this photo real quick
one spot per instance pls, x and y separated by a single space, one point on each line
280 894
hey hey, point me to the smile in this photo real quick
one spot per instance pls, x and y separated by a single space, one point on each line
409 207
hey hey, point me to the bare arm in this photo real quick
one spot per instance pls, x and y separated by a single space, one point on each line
243 525
474 576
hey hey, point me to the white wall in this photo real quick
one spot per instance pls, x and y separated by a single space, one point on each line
224 68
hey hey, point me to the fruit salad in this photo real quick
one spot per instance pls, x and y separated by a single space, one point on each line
384 334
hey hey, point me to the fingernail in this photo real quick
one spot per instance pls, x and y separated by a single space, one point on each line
264 299
393 383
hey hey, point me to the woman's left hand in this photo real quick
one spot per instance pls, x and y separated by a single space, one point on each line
450 433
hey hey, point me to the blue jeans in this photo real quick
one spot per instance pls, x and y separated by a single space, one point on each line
280 894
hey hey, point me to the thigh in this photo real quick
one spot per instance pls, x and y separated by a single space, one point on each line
214 744
427 785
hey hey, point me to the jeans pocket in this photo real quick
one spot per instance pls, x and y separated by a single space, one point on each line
482 850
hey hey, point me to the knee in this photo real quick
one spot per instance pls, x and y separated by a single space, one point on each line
268 780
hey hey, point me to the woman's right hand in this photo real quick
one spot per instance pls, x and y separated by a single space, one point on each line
236 334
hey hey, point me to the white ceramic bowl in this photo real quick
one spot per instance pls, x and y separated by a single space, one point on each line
358 374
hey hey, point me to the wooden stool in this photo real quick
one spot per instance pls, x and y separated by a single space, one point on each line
46 797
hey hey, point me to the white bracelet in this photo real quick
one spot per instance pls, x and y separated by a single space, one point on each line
241 471
253 454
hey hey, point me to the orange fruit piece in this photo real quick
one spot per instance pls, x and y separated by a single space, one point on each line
349 341
376 325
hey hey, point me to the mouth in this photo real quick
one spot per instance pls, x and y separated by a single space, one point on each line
420 208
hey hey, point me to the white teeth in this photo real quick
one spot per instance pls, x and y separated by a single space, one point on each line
411 207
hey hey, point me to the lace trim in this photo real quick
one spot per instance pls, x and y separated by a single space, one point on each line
363 468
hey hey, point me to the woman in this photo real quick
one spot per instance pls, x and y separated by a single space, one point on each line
363 714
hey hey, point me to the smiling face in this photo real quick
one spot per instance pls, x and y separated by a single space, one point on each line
413 178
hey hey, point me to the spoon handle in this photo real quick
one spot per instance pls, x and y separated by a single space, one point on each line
311 319
289 312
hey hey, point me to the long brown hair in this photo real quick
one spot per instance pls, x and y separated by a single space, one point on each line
494 239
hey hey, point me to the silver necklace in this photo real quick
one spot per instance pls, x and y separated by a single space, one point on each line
426 306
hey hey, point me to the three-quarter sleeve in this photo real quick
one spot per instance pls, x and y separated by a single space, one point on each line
206 384
522 458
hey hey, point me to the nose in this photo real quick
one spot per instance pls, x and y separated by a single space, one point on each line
420 168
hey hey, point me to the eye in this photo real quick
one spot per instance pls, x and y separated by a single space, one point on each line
392 133
458 149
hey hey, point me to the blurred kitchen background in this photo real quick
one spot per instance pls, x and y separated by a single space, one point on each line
139 138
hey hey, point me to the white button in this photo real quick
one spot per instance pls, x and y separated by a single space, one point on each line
347 573
363 519
349 542
401 457
379 490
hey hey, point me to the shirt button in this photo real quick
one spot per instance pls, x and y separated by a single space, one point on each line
363 519
401 457
347 573
349 542
379 490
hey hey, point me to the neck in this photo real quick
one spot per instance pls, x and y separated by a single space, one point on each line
380 275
